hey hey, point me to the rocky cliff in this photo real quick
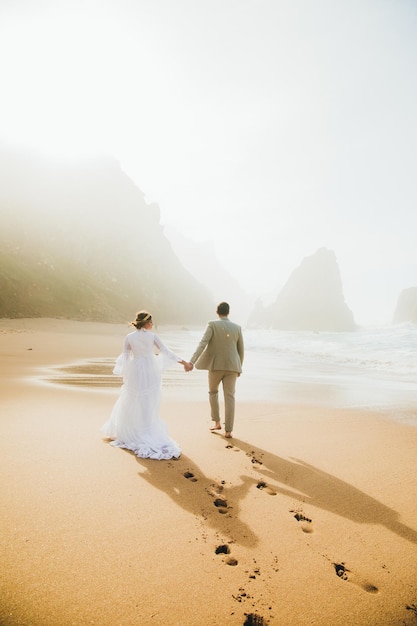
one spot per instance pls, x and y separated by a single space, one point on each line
406 309
200 259
311 299
78 240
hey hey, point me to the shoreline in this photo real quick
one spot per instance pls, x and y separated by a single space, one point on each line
319 527
270 378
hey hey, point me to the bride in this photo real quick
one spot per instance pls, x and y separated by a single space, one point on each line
134 423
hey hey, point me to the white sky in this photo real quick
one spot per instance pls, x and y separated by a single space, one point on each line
273 127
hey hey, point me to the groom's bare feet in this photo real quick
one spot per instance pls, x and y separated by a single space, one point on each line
216 426
228 435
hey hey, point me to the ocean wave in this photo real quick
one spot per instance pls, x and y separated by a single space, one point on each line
390 349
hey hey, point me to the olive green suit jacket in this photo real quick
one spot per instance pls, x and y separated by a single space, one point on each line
221 347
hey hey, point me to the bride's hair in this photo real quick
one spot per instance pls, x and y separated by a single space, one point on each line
142 318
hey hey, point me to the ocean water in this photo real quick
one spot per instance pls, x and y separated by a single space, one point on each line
371 368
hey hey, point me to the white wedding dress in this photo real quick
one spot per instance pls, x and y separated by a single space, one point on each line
135 423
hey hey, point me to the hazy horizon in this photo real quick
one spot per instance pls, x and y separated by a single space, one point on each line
270 128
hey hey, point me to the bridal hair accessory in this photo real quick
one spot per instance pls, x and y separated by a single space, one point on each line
143 319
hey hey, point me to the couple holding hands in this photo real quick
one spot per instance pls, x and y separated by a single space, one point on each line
135 423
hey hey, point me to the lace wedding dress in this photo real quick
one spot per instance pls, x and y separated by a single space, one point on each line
135 423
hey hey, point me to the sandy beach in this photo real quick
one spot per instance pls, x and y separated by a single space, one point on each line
307 516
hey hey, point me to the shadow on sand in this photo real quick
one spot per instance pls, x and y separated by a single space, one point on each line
187 486
310 485
213 500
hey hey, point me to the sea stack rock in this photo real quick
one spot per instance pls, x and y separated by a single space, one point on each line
312 299
406 310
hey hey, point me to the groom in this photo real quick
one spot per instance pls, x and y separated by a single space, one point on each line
221 352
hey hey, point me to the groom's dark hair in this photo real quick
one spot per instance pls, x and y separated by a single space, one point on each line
223 309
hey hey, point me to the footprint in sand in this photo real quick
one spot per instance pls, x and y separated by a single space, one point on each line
412 608
190 476
264 487
306 523
345 574
219 502
215 490
252 619
225 549
222 549
221 505
253 458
